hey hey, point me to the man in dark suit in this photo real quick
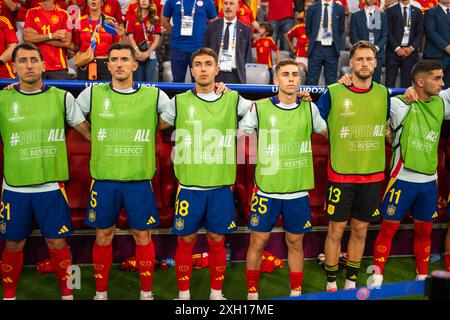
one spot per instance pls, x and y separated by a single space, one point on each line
232 42
437 32
324 27
405 23
371 24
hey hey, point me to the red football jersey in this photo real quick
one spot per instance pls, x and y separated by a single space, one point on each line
110 8
7 37
362 4
298 32
281 9
82 37
45 22
132 8
22 12
341 2
264 47
427 4
244 14
135 27
6 12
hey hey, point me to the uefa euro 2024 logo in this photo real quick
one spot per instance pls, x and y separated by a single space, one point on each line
16 112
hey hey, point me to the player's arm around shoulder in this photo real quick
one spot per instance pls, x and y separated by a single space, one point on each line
249 122
445 95
75 117
166 110
83 101
398 111
319 124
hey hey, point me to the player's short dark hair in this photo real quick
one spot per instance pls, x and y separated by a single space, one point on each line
26 46
424 66
268 27
362 44
285 62
122 46
204 51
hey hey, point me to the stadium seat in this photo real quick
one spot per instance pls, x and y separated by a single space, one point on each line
167 72
347 44
78 186
383 75
257 73
167 182
317 196
188 77
303 76
443 181
322 78
284 54
344 60
245 172
344 70
254 55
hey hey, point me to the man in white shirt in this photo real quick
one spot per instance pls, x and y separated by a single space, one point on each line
324 27
124 120
205 166
413 185
231 41
284 125
405 23
412 96
32 117
371 24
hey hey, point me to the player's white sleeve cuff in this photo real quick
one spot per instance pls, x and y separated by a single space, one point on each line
167 118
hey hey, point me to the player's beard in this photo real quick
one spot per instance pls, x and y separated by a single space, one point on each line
364 76
431 93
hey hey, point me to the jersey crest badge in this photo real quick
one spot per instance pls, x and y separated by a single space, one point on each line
92 215
179 224
55 19
330 209
391 210
254 220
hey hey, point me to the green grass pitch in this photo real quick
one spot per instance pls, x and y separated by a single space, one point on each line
124 285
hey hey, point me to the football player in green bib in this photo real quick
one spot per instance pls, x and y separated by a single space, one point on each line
124 120
356 116
413 183
284 172
32 126
205 166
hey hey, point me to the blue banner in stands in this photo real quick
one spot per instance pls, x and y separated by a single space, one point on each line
176 86
391 290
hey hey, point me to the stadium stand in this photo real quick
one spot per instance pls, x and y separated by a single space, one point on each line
257 73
